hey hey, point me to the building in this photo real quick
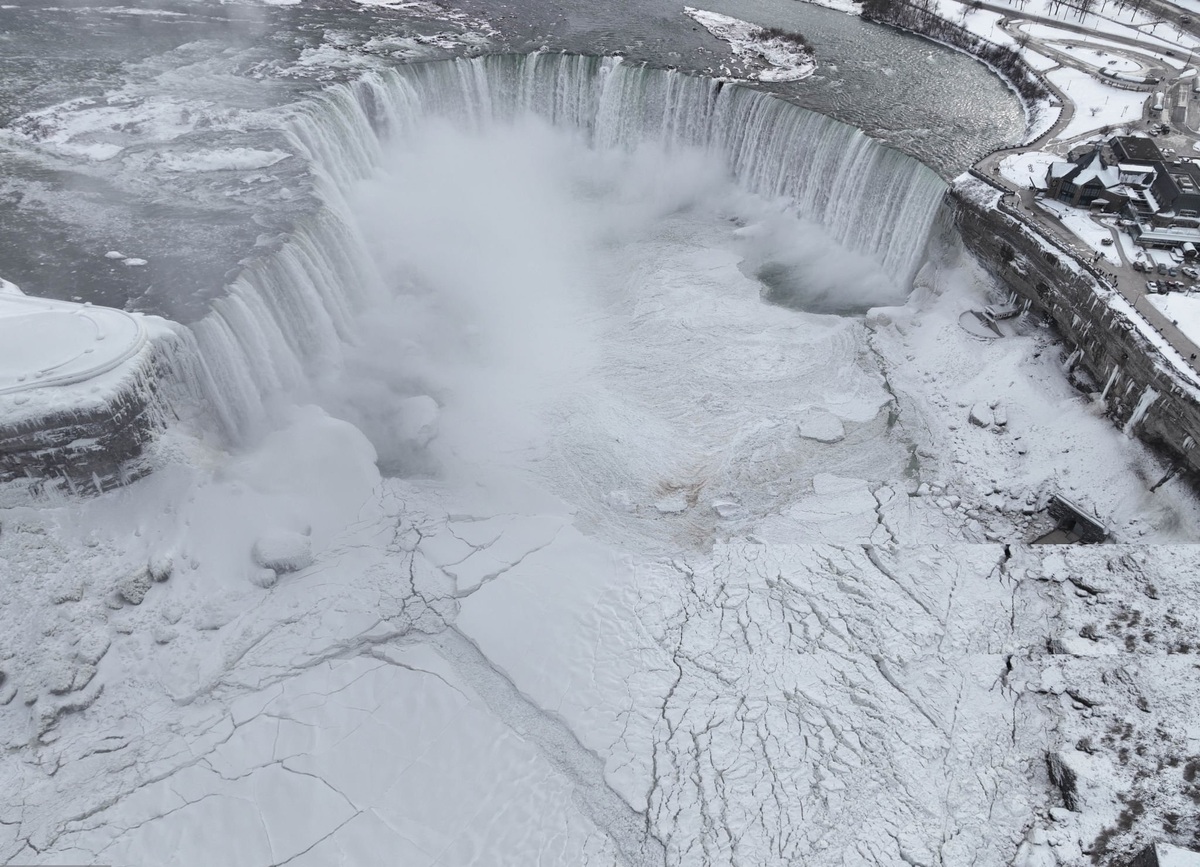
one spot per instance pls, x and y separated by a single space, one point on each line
1176 187
1165 237
1080 182
1135 149
1129 175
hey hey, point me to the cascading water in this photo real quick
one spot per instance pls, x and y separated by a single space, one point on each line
289 314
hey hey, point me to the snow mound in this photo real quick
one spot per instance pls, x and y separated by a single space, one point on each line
773 55
283 551
134 588
419 419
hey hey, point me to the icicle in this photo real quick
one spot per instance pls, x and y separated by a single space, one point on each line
1139 412
1112 378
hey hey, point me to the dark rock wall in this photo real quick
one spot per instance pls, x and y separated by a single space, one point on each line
100 445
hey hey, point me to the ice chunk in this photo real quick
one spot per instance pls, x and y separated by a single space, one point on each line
134 588
727 509
672 505
821 426
162 566
981 415
263 577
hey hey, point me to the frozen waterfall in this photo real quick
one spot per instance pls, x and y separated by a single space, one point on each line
289 314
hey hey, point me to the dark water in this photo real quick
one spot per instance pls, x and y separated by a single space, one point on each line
60 211
940 106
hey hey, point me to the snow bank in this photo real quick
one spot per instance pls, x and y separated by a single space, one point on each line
770 55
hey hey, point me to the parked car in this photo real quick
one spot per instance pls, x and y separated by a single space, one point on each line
1172 272
1189 272
1151 286
1106 242
1162 269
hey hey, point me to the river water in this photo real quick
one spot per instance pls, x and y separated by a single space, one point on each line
101 106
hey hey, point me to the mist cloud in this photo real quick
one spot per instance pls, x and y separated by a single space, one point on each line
501 249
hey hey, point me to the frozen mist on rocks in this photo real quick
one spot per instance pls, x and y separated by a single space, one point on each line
612 561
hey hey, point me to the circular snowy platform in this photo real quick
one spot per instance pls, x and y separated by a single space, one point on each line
46 342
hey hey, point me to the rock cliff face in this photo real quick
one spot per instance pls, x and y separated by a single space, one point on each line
91 435
1145 390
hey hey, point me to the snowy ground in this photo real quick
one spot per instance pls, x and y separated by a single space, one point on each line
1086 229
1028 169
1127 22
1098 58
1183 310
685 578
1096 104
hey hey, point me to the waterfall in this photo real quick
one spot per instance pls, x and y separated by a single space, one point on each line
289 313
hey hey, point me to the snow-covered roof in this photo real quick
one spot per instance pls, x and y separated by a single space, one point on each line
1097 171
1087 169
1136 147
1171 235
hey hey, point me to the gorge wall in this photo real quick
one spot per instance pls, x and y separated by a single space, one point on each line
1144 389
